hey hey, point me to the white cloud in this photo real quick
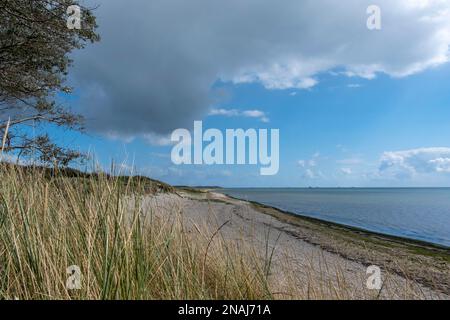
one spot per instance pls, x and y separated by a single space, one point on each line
307 163
154 139
289 75
310 162
313 174
408 163
309 167
224 112
346 171
12 158
309 174
442 164
258 114
253 113
157 139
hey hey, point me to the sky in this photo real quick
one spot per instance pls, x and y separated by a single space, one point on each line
354 107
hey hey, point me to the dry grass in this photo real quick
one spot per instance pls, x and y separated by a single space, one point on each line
127 251
47 225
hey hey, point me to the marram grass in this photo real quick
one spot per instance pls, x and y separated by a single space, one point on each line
49 224
52 224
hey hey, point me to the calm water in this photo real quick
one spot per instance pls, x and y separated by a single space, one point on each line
422 214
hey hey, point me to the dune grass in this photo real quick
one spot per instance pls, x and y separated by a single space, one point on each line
49 224
52 225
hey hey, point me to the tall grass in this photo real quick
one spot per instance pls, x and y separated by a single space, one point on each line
127 250
122 251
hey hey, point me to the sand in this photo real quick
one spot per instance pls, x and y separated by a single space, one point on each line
327 261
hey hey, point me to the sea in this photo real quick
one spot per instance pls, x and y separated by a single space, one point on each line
414 213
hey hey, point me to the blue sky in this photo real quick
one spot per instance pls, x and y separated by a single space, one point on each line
332 135
355 108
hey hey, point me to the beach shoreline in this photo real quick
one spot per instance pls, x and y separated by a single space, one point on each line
331 224
426 264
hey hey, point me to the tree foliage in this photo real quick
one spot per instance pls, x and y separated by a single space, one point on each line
35 44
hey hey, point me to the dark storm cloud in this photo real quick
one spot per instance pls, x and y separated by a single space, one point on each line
158 59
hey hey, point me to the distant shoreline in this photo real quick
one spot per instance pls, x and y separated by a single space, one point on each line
359 228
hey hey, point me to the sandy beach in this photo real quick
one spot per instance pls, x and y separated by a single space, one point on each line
312 257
